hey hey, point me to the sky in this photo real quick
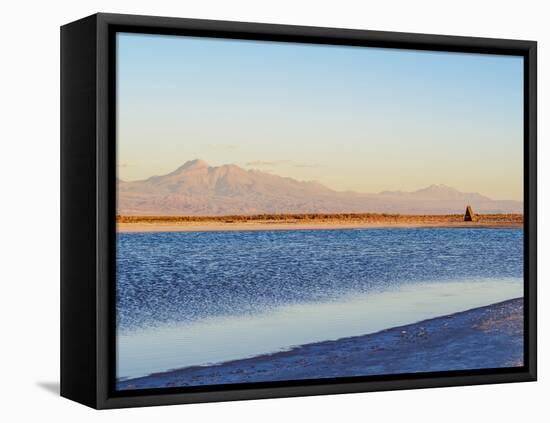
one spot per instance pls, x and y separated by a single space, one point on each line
352 118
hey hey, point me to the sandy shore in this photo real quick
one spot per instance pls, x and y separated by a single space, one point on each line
284 222
285 226
486 337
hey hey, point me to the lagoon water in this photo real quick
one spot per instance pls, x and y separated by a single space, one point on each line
198 298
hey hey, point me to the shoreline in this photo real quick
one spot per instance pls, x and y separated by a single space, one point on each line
289 226
484 337
313 221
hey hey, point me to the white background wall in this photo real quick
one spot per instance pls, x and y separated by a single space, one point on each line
29 175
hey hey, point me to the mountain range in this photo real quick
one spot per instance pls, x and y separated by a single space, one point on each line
199 189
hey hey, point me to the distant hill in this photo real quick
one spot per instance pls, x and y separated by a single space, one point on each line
199 189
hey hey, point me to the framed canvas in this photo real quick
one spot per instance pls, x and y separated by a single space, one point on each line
256 211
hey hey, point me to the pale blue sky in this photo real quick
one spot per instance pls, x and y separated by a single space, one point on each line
352 118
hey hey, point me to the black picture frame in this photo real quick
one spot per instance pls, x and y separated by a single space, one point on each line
88 208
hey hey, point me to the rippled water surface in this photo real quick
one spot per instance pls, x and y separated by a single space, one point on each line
179 277
186 299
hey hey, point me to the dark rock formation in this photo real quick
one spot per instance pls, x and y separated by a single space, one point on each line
469 216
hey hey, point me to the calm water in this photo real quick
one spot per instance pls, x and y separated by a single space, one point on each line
205 297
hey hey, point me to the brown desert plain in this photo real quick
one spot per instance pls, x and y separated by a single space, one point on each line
310 221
